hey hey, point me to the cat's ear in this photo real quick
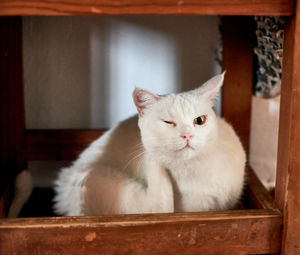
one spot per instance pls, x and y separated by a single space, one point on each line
211 88
143 99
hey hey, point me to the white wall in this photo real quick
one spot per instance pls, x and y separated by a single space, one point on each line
80 71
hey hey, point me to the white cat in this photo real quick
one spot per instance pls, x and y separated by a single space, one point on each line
177 155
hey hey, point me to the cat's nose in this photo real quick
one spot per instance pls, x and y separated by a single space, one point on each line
187 136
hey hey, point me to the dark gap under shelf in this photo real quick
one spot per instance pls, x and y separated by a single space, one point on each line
40 204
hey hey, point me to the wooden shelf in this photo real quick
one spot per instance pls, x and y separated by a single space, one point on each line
246 231
135 7
58 144
268 228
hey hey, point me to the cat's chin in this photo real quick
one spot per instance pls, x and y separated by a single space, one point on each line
185 153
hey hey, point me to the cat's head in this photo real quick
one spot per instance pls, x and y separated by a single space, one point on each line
179 126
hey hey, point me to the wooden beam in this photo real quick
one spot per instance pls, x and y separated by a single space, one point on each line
287 191
232 232
58 144
100 7
238 37
12 158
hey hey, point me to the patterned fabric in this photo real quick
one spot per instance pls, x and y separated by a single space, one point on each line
269 33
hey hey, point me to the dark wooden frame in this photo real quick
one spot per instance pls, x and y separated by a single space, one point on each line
270 228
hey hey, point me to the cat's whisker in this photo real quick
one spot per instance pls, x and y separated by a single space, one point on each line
138 145
134 158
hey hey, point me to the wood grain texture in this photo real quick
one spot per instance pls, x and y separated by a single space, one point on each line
58 144
287 191
232 232
117 7
238 58
12 158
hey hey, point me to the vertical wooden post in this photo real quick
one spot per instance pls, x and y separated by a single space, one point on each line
238 57
287 191
12 158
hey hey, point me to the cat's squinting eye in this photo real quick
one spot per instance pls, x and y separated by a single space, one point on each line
170 122
200 120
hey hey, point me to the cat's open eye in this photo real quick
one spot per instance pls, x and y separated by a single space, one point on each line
170 123
200 120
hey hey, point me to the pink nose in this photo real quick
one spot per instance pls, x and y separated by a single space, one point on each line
187 136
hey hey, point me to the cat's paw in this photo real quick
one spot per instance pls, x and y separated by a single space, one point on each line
166 201
160 191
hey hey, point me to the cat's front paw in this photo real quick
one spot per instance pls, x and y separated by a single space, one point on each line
160 191
167 198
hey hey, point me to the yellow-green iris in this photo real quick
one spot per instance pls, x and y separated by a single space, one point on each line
200 120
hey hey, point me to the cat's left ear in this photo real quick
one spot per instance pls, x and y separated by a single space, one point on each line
143 99
211 88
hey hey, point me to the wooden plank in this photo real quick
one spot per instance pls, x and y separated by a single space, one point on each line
238 56
100 7
257 196
58 144
232 232
12 158
287 191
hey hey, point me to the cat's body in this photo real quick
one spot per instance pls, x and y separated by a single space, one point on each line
159 162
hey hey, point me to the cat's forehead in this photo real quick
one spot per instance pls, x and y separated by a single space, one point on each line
184 104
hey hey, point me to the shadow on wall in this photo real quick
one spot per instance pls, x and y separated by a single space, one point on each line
80 71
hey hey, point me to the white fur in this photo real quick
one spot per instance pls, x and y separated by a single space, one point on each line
140 165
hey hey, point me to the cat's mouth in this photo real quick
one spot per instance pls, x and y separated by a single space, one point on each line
187 146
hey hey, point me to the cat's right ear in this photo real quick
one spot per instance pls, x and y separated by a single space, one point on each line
211 88
143 99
